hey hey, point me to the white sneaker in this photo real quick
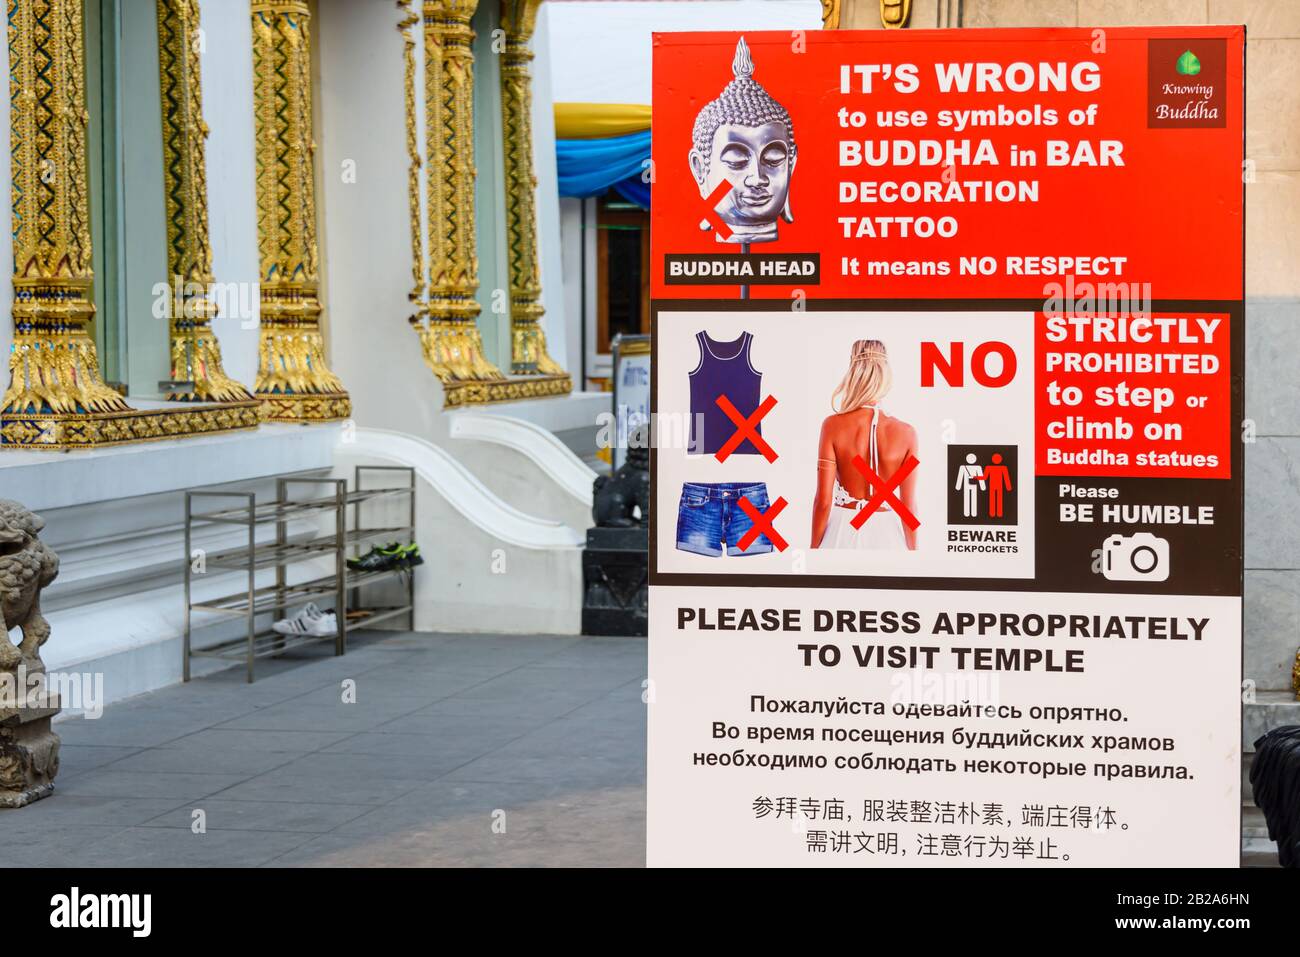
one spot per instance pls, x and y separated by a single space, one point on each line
309 621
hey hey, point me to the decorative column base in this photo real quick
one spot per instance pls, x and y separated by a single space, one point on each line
29 750
532 360
544 376
196 363
304 408
461 393
45 431
56 399
453 349
293 382
528 346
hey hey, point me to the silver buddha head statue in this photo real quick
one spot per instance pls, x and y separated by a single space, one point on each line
745 138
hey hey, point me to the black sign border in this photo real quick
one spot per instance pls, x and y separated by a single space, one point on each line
1231 584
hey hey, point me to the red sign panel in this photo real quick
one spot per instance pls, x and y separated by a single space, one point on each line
971 164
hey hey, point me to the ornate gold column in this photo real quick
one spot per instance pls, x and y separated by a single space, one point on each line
195 352
56 397
294 383
452 344
53 367
528 340
414 164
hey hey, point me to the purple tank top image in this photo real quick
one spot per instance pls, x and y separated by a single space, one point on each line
724 369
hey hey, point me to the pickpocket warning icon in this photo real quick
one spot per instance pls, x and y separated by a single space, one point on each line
982 484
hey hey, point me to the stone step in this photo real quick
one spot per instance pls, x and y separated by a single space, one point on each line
1253 824
1258 852
1270 709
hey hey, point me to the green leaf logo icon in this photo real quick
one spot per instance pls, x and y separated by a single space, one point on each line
1188 65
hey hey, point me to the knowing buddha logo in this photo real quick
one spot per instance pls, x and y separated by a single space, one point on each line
1187 83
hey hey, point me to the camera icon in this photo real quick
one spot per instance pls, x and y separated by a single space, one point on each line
1141 557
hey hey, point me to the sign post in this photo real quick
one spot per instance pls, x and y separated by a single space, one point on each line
946 552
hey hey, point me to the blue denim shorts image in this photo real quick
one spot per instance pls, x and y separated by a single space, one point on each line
710 517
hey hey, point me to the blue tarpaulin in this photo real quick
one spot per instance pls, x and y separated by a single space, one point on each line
590 167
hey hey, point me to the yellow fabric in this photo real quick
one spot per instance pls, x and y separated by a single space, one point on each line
585 121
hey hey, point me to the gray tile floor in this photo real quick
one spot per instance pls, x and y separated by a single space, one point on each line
459 750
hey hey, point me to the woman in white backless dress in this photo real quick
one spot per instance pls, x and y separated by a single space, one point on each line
860 428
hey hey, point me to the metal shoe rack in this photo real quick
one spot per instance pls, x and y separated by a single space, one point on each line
339 590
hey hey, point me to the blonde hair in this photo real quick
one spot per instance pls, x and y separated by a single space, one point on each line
867 379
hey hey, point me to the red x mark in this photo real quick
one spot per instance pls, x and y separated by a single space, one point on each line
711 214
745 428
762 524
885 492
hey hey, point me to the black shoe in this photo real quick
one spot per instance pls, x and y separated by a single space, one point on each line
410 556
377 559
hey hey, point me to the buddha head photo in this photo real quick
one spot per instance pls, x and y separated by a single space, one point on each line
745 138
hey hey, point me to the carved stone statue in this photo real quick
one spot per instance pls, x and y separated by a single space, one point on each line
26 567
29 749
623 499
745 138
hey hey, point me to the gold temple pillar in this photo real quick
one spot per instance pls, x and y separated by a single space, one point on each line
414 164
294 382
196 367
56 397
54 371
452 343
528 340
